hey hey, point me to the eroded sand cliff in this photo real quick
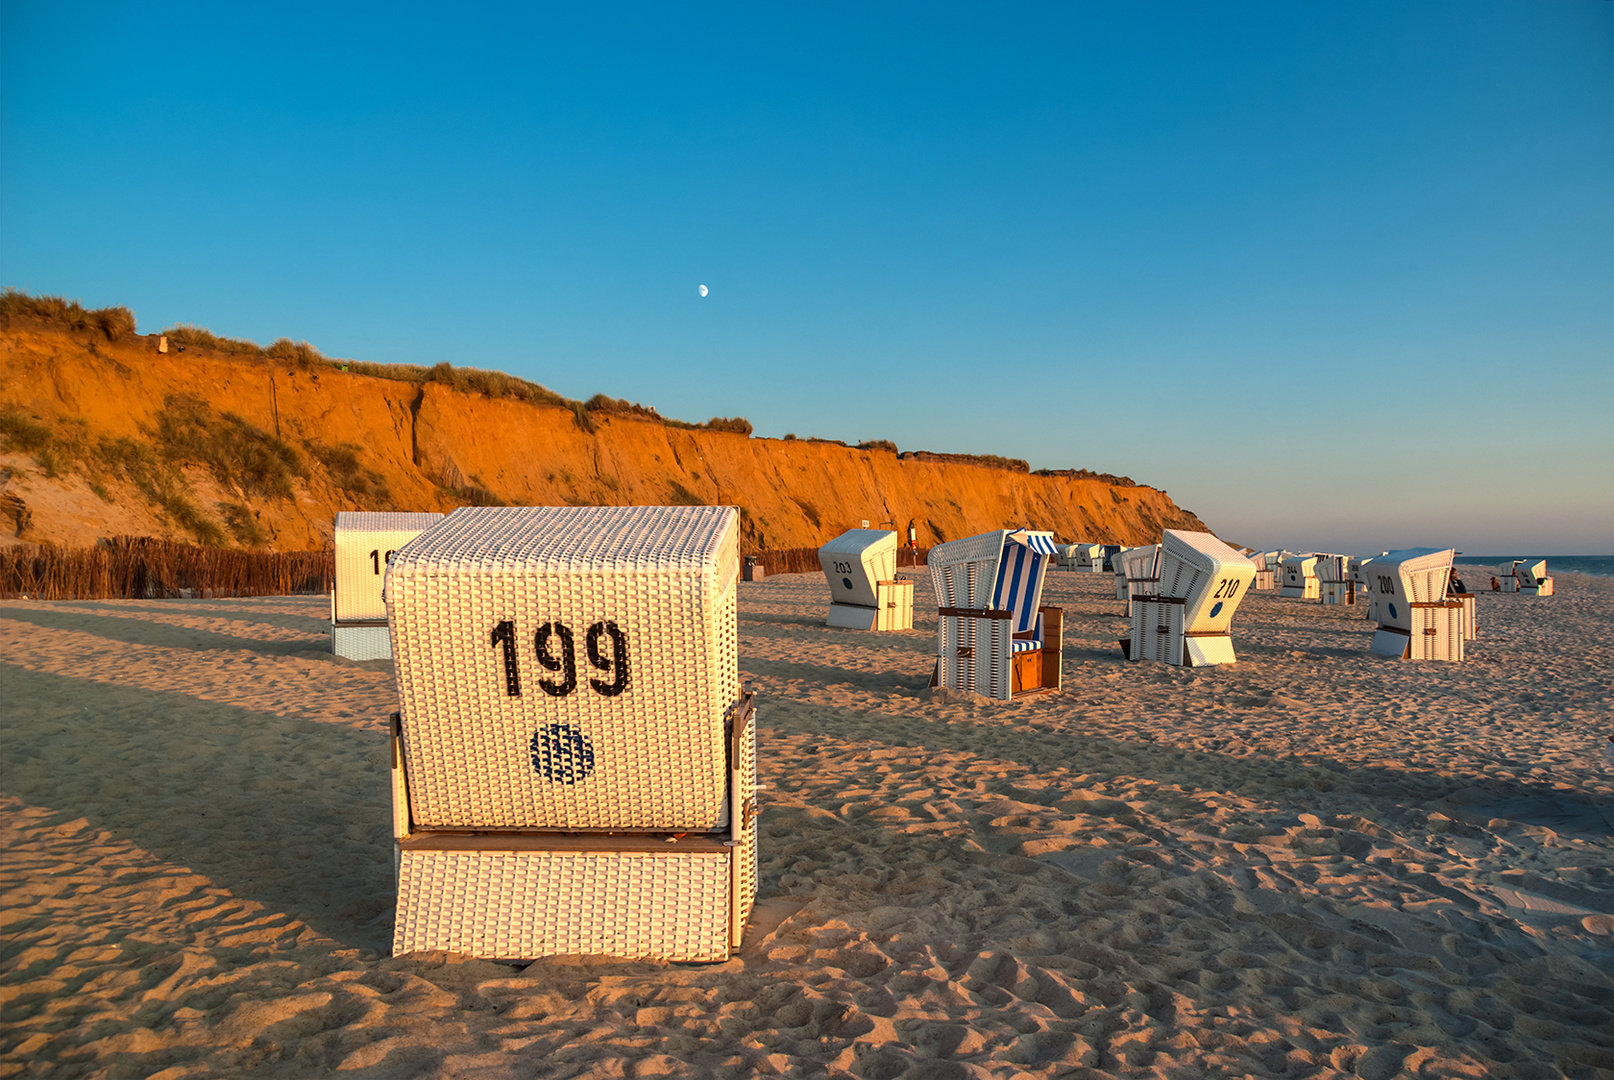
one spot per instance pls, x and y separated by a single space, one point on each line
116 438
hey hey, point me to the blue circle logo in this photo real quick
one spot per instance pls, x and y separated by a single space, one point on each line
561 754
1217 610
1392 612
847 582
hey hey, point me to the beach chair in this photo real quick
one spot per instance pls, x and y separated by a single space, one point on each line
1531 578
1416 620
1186 622
365 544
861 568
1110 552
1299 580
1123 591
1334 582
1509 582
574 763
1082 558
1140 566
994 636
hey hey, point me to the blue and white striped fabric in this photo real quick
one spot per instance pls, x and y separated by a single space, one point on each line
1029 644
1019 585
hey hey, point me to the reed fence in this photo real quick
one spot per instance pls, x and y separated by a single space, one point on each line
145 568
805 560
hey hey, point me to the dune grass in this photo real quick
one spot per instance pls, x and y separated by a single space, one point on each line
111 322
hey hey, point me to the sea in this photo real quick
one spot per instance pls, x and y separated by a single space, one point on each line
1598 565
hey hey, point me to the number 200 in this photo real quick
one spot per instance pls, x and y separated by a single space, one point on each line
616 665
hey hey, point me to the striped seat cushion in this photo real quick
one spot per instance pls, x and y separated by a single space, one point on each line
1032 643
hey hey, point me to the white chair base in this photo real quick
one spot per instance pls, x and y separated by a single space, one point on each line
1308 591
499 901
895 611
522 895
976 654
1543 589
1336 592
1437 634
1157 634
1509 584
1263 580
361 641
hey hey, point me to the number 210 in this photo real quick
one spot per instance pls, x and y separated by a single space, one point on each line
1226 589
616 665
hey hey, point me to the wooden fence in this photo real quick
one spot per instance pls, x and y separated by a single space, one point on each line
805 560
145 568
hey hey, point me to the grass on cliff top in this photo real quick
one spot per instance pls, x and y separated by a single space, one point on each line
113 322
240 456
117 322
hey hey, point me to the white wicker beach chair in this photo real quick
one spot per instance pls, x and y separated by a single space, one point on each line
365 544
1416 620
1531 578
1085 558
574 762
994 637
1187 621
1335 585
1140 569
1299 577
861 568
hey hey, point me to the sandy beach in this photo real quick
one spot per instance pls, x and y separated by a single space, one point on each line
1313 863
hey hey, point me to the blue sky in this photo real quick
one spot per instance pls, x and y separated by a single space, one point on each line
1336 276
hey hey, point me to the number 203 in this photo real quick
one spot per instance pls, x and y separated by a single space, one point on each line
543 645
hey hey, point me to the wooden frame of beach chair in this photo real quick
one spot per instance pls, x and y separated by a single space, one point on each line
1187 622
518 896
575 762
993 636
365 543
1416 619
860 566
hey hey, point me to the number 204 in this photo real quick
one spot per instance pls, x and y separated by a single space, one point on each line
556 649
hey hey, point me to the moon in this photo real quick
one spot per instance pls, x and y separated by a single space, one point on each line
703 290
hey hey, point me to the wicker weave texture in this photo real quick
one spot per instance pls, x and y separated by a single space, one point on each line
1437 633
975 655
524 905
364 543
509 628
964 572
361 642
1157 631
